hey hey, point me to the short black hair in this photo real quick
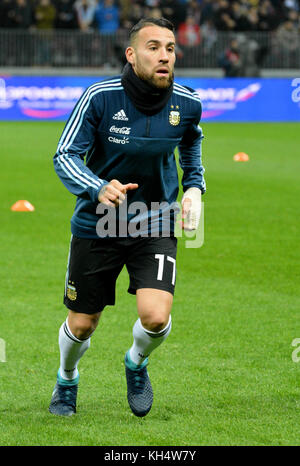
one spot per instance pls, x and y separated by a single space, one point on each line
161 22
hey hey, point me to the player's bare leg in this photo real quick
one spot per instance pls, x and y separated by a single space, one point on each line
154 308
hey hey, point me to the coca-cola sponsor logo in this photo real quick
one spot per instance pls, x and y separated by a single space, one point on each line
123 130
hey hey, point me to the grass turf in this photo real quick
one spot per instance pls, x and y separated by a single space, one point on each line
225 376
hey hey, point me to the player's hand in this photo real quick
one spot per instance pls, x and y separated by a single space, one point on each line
113 193
191 209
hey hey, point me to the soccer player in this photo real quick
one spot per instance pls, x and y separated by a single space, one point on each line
127 129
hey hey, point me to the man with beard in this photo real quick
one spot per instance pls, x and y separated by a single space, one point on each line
127 128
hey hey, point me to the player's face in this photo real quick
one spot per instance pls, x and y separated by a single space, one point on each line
152 56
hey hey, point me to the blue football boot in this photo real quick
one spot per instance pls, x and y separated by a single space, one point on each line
63 401
139 389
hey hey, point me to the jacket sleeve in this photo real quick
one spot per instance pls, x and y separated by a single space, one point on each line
77 139
190 155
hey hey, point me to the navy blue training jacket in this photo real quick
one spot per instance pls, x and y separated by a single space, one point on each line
107 138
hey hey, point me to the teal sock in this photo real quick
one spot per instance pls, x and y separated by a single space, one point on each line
66 382
132 365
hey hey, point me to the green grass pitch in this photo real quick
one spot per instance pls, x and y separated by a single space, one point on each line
225 376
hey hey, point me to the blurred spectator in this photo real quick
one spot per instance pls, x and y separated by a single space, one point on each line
292 4
231 61
107 20
293 16
243 57
134 14
252 55
287 42
21 15
193 8
253 19
247 4
7 14
188 33
207 11
268 19
125 7
85 10
150 3
239 14
188 39
148 11
209 36
107 17
222 18
172 10
156 13
66 16
44 15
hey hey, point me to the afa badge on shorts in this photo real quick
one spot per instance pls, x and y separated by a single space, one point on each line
174 116
71 291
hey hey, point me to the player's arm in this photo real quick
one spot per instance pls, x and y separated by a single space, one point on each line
77 139
193 182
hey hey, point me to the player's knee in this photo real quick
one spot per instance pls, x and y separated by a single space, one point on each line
83 330
82 326
154 307
155 321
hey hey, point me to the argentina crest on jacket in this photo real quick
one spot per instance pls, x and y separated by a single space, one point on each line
174 116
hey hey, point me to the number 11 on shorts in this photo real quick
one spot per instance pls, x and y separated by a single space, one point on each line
161 264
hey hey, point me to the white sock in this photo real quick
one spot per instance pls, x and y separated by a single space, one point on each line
71 351
145 341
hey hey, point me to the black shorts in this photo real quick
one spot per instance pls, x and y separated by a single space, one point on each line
95 264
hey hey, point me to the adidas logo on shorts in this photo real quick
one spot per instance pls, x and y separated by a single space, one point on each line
121 115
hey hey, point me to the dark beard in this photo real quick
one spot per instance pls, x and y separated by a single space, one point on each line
160 83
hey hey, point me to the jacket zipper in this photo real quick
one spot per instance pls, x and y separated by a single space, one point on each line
148 127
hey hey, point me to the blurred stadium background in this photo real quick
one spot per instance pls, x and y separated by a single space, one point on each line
86 38
236 312
92 33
